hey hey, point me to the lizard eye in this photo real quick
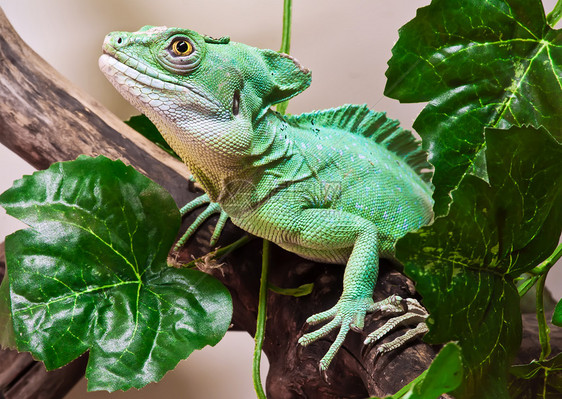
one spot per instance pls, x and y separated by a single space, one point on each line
181 47
181 53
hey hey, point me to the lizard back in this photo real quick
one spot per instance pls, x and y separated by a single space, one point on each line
363 163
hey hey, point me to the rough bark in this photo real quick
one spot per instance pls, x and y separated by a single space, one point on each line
46 119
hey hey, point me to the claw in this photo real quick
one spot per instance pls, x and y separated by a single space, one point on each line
324 374
378 354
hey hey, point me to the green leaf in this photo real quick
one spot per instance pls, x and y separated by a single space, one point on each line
537 379
144 126
465 263
302 290
443 376
524 165
7 338
557 316
555 14
91 274
493 63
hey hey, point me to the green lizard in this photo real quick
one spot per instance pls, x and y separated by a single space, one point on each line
339 185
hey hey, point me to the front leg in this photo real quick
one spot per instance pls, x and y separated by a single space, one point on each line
328 229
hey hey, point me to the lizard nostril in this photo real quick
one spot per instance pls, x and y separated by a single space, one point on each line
120 40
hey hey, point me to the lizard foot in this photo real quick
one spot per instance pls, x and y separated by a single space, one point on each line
415 313
211 209
346 314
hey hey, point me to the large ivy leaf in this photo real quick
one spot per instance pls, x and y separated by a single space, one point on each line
465 263
538 379
91 274
479 63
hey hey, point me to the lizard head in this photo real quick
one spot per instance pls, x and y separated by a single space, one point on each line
193 86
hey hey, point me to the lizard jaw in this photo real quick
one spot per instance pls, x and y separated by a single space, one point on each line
137 81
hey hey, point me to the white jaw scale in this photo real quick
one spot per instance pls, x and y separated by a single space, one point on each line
135 84
141 84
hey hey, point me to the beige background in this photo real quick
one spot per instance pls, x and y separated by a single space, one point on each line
345 43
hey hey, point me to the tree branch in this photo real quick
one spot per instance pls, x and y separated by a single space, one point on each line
46 119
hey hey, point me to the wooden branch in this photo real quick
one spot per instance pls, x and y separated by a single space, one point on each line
22 377
46 119
294 373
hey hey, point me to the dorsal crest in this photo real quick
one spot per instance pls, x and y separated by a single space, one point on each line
360 120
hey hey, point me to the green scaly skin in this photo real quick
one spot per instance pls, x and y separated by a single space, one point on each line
329 186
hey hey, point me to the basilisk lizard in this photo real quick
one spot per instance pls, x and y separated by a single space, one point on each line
339 185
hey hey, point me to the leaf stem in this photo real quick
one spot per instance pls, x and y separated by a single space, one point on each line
260 326
285 44
544 331
262 305
554 16
286 37
527 285
545 266
540 270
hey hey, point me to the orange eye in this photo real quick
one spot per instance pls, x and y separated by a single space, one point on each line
182 47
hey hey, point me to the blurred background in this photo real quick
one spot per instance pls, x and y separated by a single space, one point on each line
345 44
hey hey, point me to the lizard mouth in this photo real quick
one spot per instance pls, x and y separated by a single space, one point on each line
124 70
